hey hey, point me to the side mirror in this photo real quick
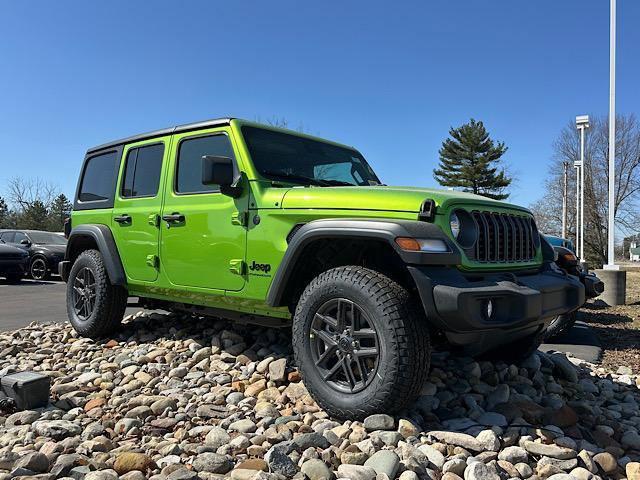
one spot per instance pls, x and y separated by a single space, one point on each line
25 242
219 171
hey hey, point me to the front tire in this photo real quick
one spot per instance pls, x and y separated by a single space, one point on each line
561 324
95 308
361 346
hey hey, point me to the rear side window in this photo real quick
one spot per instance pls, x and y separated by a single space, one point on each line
99 179
189 168
7 236
142 171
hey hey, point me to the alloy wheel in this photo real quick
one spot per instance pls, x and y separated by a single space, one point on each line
344 345
38 269
84 293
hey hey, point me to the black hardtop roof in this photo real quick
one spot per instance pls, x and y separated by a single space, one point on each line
165 131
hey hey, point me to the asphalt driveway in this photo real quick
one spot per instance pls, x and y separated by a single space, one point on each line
31 301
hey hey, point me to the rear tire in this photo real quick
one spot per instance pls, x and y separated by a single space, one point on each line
95 307
377 315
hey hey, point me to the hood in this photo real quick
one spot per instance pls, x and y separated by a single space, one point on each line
398 199
51 248
9 250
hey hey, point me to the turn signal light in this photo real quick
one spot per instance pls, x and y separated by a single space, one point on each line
431 245
407 243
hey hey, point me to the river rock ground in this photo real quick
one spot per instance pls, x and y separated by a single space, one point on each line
176 397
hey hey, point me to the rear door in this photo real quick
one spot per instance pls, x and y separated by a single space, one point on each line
202 243
137 205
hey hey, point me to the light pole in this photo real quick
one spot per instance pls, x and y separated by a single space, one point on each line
615 280
582 123
565 180
611 263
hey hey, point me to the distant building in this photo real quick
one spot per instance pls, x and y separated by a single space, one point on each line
634 252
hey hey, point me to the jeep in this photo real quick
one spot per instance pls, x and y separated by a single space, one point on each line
247 222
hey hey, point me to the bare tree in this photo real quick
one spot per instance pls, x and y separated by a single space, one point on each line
548 210
24 192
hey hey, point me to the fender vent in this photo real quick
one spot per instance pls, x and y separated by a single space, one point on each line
293 231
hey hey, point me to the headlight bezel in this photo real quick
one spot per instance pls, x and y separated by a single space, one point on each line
467 228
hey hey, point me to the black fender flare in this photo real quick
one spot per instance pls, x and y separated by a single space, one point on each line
380 229
103 238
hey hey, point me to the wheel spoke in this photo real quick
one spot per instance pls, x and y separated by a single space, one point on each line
363 370
364 333
341 314
366 352
332 322
348 372
330 373
324 336
329 352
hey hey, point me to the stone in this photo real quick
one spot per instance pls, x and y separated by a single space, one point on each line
384 461
434 456
606 462
316 469
581 473
280 463
379 421
212 463
356 472
26 417
36 462
458 439
514 455
159 406
454 465
217 437
129 461
243 426
479 471
277 370
549 450
489 440
633 471
56 429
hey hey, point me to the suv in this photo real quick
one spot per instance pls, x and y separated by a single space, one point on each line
263 225
46 250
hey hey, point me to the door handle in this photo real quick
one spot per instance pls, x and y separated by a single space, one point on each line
173 218
123 218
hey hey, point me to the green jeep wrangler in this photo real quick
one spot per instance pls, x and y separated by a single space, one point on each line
243 221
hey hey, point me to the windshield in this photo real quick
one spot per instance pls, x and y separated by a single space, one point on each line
46 238
290 158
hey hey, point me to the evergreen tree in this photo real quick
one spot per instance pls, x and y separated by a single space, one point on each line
4 214
470 160
34 216
58 210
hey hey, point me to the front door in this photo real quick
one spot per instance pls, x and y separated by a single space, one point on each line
136 210
200 244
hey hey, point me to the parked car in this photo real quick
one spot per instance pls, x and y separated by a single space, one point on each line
46 250
264 225
556 241
14 262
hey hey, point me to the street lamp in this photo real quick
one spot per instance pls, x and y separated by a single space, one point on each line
582 123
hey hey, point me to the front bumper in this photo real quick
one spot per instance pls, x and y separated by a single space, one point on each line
522 305
12 266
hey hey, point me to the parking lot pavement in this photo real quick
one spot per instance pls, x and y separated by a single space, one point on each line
31 301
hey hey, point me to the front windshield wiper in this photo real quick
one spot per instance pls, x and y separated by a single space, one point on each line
307 180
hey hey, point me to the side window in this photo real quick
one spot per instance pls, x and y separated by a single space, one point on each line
142 171
98 181
19 237
189 164
8 237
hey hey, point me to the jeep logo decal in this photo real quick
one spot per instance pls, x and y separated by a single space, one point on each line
260 267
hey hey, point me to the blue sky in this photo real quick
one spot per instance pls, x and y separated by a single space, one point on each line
388 78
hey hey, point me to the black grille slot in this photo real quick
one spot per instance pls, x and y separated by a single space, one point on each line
504 237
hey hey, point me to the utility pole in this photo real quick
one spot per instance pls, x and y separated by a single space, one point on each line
565 166
611 263
582 123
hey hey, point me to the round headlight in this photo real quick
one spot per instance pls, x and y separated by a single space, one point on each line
454 222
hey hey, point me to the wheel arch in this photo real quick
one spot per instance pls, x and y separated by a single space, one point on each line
375 237
98 237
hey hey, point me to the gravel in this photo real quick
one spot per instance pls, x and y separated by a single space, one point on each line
173 397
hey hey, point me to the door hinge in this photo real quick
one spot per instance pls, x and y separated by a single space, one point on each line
154 220
153 261
237 266
239 218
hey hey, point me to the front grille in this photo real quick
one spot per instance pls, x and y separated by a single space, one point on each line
504 237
